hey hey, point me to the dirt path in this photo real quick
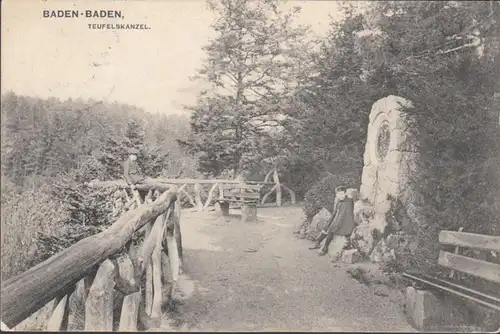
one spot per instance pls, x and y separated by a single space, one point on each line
258 276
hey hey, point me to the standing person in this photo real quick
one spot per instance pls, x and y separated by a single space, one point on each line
132 173
131 170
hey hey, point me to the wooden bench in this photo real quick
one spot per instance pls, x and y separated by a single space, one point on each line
421 306
247 195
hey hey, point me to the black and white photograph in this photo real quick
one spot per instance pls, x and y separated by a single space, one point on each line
250 166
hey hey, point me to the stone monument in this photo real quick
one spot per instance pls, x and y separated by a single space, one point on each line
390 159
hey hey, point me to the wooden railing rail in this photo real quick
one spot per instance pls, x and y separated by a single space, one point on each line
191 188
83 301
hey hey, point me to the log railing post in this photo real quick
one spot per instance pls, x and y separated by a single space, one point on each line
157 273
291 193
57 318
266 195
176 217
148 293
130 307
183 191
99 304
268 175
76 317
210 195
278 187
130 312
221 191
197 196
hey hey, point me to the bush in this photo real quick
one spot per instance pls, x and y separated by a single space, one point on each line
24 215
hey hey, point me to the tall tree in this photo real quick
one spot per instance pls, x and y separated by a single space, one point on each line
330 109
252 67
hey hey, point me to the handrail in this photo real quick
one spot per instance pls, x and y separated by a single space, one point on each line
55 279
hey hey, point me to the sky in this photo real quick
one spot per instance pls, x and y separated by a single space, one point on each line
63 57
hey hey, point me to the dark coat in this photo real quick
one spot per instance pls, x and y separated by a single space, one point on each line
342 222
132 172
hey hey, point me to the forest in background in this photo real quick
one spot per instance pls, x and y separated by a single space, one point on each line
278 98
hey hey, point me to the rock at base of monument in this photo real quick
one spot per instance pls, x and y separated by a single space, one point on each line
362 238
426 312
351 256
378 252
392 241
363 209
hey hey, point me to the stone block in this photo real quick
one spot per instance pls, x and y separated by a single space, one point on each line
362 209
378 222
362 237
336 246
425 311
419 307
351 256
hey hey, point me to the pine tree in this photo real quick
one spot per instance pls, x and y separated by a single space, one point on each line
251 67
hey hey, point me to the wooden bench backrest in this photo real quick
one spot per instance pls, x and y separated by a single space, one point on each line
479 268
244 191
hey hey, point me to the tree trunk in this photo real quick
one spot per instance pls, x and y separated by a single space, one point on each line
210 195
197 196
278 187
291 193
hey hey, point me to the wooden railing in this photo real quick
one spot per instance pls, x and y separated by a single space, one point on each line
94 288
191 189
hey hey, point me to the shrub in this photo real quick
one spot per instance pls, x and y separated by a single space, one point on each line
24 215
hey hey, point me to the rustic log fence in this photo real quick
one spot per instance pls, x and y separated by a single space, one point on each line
192 189
91 288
